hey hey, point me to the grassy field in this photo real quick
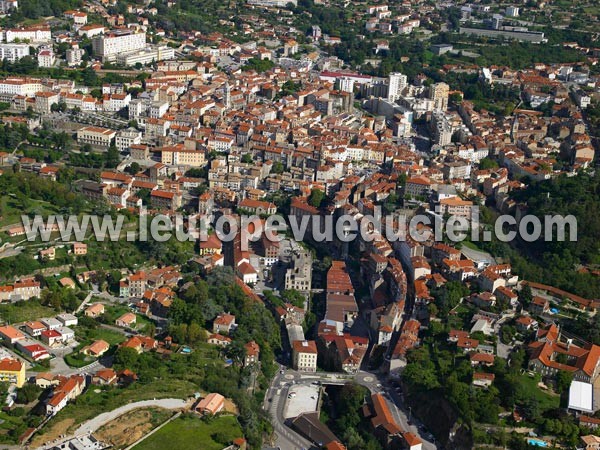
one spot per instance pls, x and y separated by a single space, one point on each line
24 311
546 399
189 432
92 403
12 210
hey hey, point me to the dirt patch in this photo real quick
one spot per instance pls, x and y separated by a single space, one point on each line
230 407
131 426
52 433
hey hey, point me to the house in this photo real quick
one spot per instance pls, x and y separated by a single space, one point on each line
482 326
252 353
67 282
68 320
51 323
10 334
211 404
481 359
51 337
539 306
526 323
46 380
304 356
104 377
33 350
95 310
381 421
79 249
67 334
592 423
224 323
96 348
140 343
127 320
219 339
467 344
68 389
482 379
12 371
34 328
590 442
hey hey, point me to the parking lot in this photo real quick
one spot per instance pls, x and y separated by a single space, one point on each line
301 398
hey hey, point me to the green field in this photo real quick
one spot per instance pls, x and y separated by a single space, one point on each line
189 432
91 403
24 311
546 399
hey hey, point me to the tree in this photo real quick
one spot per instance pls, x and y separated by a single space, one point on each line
126 357
194 333
133 168
316 197
563 380
525 295
28 393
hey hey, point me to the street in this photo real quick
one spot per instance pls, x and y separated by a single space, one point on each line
276 397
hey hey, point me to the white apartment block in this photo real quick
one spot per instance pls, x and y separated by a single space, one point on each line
13 52
8 5
146 56
96 136
75 56
26 87
33 35
126 138
116 102
46 58
108 46
397 82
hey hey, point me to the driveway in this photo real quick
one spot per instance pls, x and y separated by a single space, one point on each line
92 425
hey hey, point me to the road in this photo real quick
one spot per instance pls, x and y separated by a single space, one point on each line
276 396
274 403
93 424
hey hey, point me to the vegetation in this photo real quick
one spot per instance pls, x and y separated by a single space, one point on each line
189 431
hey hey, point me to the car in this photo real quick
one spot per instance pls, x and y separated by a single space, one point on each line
281 372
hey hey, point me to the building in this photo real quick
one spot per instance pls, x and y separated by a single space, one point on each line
211 404
304 356
12 371
252 353
126 138
439 92
127 320
38 35
46 58
108 46
96 348
224 323
95 310
397 82
10 334
96 136
13 52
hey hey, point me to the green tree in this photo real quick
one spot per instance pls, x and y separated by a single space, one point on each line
316 197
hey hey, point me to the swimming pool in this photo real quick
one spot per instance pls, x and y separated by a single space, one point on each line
537 442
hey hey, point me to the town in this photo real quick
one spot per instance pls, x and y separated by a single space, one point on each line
308 110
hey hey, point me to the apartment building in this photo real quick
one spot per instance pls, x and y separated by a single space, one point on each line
108 46
13 52
96 136
305 356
